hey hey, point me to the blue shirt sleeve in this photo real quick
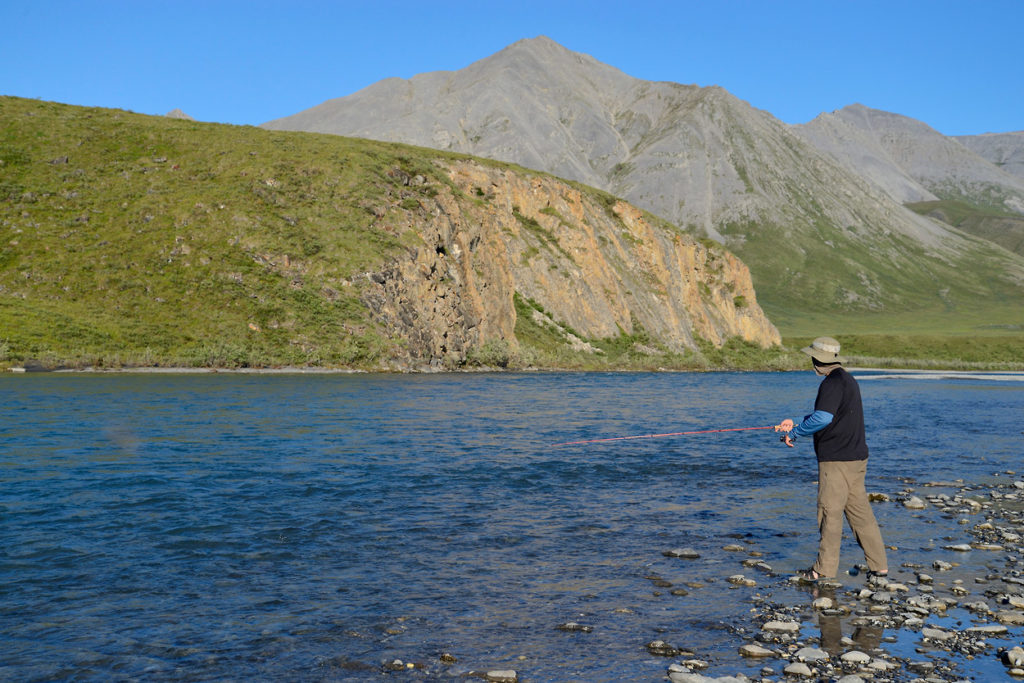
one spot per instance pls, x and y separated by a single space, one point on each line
812 423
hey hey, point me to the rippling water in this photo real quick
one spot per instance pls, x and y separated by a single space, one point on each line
203 527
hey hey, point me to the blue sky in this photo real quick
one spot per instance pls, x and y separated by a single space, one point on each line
956 66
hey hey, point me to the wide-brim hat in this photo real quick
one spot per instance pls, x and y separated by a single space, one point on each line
824 350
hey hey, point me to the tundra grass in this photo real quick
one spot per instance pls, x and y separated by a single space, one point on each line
128 238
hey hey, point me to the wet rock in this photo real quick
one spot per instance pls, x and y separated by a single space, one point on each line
502 676
921 667
790 627
823 603
1014 657
690 677
754 650
760 565
936 634
914 503
811 654
851 678
573 626
994 547
882 665
988 630
734 548
660 648
740 580
394 665
798 669
959 547
856 657
448 658
685 553
941 565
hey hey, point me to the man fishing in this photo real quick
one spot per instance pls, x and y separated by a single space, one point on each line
837 425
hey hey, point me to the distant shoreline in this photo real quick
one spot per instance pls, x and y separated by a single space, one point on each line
876 373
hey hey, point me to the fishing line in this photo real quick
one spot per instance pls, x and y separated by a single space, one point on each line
655 436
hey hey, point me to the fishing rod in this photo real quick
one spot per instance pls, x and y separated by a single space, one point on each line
655 436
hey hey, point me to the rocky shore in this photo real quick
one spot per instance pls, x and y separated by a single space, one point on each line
950 611
957 617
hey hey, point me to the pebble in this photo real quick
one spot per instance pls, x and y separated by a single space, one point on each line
503 676
914 503
686 553
823 603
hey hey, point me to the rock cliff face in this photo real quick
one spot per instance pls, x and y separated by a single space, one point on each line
591 266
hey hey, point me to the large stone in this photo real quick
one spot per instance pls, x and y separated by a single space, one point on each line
755 650
798 669
791 627
856 657
1013 657
811 654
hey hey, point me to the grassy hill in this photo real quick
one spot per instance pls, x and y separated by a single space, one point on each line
129 239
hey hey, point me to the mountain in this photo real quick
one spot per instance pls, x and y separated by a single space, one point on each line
881 145
145 240
1005 150
822 242
936 176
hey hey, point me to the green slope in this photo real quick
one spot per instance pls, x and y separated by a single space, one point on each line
1002 227
130 239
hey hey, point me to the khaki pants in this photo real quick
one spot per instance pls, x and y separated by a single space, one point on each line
841 491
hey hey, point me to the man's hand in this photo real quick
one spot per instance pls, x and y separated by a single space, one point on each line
785 426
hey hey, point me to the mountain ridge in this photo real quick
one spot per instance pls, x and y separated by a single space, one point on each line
817 234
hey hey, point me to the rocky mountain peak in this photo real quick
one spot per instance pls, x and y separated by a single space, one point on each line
710 163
